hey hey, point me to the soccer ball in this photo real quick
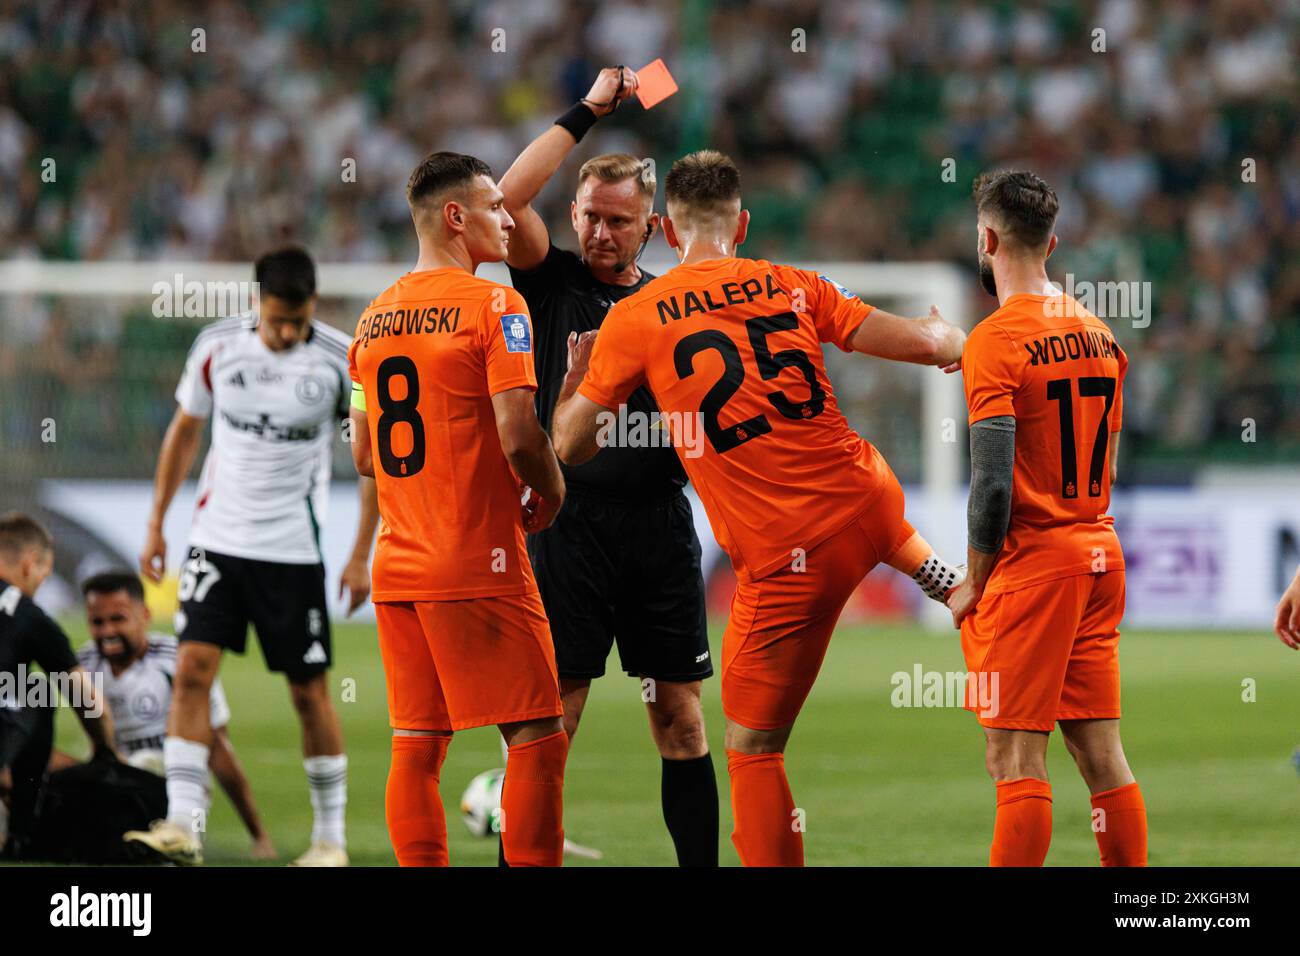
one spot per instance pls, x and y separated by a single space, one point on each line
480 805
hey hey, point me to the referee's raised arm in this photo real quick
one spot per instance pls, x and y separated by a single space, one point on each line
543 156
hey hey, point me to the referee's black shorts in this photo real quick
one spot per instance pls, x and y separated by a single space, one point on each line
611 572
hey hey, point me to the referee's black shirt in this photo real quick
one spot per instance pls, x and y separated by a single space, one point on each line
563 297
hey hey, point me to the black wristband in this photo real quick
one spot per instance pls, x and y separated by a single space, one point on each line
578 120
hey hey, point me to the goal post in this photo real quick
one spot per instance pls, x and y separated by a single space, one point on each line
922 408
910 288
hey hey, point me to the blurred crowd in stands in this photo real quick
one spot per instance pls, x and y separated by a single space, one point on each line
210 130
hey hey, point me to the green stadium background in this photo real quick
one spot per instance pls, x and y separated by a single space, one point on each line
1176 152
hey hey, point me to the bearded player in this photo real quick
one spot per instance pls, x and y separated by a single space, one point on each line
443 407
138 668
803 505
1044 591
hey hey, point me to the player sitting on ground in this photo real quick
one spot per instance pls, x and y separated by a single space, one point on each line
1040 608
444 416
138 667
803 505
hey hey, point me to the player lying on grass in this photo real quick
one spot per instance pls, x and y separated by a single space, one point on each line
626 517
138 668
1040 608
444 421
802 504
28 635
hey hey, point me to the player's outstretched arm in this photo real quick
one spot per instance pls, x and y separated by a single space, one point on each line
230 774
543 156
988 512
928 340
530 455
175 458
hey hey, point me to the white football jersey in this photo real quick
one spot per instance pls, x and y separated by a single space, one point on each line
265 480
140 696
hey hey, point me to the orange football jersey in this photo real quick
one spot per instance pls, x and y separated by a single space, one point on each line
430 353
1057 369
731 350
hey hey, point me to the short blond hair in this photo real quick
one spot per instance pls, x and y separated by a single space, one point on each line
618 167
703 184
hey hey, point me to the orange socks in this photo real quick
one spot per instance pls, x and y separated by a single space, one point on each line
767 832
1022 830
416 824
1121 827
532 802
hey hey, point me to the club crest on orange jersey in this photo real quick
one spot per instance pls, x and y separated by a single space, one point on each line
514 326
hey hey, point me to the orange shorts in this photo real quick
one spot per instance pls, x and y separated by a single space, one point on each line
451 665
1046 653
781 625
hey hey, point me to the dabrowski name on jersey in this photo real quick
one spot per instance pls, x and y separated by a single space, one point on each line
425 321
734 293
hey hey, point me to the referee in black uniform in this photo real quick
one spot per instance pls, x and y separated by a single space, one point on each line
621 564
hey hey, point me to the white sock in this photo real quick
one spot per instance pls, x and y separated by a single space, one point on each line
187 783
328 779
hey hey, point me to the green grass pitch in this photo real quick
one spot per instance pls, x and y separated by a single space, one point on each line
878 784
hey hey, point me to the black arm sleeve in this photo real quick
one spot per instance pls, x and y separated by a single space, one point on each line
992 461
48 645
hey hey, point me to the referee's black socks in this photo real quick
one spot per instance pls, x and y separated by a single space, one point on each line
690 799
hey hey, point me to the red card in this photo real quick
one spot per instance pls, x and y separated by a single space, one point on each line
654 84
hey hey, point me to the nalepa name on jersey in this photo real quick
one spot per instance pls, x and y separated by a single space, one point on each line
265 481
692 302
